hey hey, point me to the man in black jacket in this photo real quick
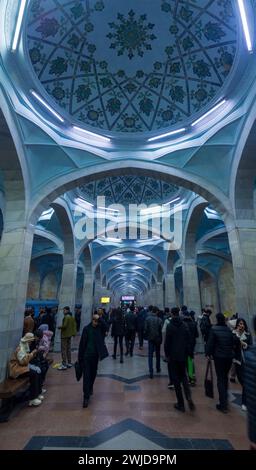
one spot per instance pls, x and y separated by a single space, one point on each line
250 390
220 346
91 349
177 348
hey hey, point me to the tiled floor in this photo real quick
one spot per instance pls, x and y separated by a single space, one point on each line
127 411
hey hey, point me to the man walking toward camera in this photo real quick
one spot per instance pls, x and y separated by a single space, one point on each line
91 349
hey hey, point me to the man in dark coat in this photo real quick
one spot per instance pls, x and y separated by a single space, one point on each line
91 349
250 390
220 346
177 349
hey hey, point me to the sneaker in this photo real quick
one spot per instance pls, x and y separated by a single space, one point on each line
69 365
35 402
171 386
244 407
44 390
62 367
179 407
40 397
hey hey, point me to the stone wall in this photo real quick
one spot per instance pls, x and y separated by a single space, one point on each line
49 288
33 283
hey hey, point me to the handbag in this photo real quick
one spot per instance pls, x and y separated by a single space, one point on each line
208 380
78 371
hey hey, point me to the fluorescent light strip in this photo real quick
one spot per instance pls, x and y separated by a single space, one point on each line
178 131
96 136
18 25
245 25
170 202
38 98
209 112
108 209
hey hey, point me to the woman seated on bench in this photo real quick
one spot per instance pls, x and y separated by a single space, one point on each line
20 366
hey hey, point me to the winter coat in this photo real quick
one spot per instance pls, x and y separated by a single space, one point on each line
68 327
153 329
118 325
20 359
101 349
193 331
177 344
241 344
221 342
45 341
250 387
205 327
130 322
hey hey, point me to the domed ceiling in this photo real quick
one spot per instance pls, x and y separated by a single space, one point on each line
129 189
132 66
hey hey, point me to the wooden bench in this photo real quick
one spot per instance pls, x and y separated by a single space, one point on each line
9 389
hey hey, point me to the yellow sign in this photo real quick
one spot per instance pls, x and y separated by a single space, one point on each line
105 300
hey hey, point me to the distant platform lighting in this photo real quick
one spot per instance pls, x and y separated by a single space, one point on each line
40 100
16 36
245 25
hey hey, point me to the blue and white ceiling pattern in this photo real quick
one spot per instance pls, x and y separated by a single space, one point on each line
132 66
129 189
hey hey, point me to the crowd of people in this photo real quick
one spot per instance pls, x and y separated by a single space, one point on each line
227 342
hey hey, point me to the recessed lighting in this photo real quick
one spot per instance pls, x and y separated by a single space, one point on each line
96 136
209 112
18 25
245 25
178 131
38 98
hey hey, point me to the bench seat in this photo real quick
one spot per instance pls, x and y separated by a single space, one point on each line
10 387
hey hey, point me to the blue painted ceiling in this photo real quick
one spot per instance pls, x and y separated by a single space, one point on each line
129 189
132 66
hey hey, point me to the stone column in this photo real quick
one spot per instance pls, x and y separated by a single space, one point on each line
87 299
159 295
170 295
242 243
191 290
67 294
15 255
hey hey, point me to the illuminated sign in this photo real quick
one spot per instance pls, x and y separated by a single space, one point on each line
128 297
105 300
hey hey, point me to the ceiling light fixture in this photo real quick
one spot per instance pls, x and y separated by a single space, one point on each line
96 136
38 98
209 112
178 131
170 202
245 25
16 36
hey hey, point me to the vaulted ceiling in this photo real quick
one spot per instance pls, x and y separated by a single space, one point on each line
132 66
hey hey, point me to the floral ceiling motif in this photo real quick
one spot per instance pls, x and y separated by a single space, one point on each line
132 66
129 189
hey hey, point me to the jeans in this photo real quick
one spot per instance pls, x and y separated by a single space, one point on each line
179 376
152 346
222 367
